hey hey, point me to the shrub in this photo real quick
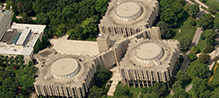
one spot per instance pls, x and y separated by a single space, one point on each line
193 23
208 49
192 56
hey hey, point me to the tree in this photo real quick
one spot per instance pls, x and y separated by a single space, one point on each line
123 91
185 43
200 70
101 6
206 21
199 86
8 89
176 85
213 8
208 49
166 32
194 49
193 10
159 89
192 56
169 17
95 92
216 21
102 75
203 58
183 78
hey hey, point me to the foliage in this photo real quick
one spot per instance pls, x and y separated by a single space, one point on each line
95 92
208 49
185 44
199 87
16 79
206 21
172 12
194 49
101 77
213 8
63 16
193 10
193 23
122 92
216 21
203 58
183 78
200 70
166 32
159 89
192 56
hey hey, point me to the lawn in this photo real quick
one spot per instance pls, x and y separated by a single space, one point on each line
202 44
187 31
191 68
212 2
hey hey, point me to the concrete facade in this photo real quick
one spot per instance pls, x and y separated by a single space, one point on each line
127 17
48 83
149 61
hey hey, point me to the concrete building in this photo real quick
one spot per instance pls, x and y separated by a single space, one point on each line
5 21
128 17
63 75
20 39
149 61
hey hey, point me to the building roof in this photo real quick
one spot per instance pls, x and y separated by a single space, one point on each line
23 36
5 19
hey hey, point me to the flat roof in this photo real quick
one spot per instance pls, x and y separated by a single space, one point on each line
75 47
64 66
36 31
23 36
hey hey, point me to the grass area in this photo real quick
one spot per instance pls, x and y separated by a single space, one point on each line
187 31
202 44
191 68
212 2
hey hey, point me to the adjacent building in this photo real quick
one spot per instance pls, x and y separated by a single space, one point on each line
63 75
127 17
149 61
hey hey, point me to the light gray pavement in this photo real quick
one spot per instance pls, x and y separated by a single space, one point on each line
188 88
202 4
115 78
194 43
197 36
20 17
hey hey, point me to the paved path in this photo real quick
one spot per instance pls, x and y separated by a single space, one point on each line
188 88
194 43
197 36
20 17
202 4
115 78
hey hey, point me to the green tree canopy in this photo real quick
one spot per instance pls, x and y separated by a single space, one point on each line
185 44
166 32
193 10
216 21
206 21
200 70
203 58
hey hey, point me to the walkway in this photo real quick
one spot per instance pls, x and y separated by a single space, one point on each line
115 78
194 43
